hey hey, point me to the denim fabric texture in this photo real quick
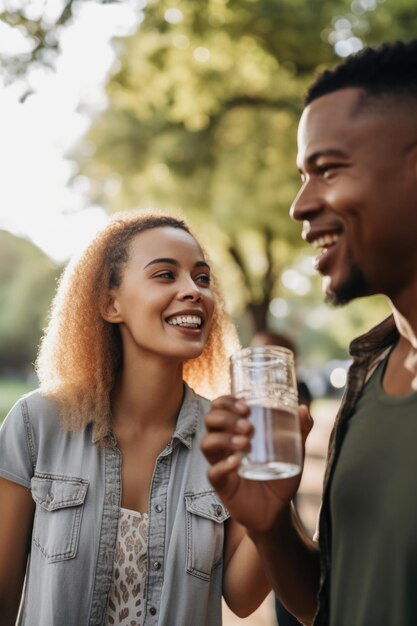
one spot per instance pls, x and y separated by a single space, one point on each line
76 486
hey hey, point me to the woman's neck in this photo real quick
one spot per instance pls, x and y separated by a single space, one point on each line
148 396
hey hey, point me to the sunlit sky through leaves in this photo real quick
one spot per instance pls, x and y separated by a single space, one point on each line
39 131
41 195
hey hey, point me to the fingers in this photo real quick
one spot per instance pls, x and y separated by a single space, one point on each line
222 475
230 403
228 414
219 445
228 432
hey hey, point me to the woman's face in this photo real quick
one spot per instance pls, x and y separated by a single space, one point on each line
164 304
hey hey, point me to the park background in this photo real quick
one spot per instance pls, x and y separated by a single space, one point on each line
190 106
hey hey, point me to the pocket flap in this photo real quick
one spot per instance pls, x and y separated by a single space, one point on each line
207 505
58 492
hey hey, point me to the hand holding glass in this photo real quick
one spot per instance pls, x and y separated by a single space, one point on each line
265 378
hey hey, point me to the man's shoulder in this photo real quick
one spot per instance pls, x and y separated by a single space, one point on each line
377 339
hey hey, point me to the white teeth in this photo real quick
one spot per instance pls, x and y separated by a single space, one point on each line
325 241
188 321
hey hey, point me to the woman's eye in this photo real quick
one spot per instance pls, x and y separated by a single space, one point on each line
203 278
166 274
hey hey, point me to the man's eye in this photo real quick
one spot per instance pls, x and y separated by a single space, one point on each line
326 170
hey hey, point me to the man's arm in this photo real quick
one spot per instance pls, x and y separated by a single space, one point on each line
291 561
290 557
245 583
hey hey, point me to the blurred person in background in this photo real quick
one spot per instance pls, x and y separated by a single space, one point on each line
104 499
357 155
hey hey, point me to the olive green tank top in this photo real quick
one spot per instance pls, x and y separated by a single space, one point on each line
373 500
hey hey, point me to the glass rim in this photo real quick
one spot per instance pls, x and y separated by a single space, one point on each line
259 350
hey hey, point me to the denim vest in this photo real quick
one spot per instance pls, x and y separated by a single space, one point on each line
76 486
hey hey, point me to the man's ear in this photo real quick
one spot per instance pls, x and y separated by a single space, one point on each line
110 310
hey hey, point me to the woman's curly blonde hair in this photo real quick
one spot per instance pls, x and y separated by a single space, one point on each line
80 352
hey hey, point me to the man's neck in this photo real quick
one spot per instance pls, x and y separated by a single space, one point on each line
407 325
402 365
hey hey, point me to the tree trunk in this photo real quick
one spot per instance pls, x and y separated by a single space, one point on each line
258 310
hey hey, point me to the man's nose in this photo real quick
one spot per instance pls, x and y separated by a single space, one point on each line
306 203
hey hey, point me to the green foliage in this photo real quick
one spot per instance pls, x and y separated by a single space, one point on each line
203 115
41 26
388 20
320 330
27 283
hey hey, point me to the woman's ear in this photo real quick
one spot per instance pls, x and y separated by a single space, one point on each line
109 308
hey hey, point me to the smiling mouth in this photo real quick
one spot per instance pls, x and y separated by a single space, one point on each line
186 321
325 241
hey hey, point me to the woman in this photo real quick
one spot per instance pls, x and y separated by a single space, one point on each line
102 483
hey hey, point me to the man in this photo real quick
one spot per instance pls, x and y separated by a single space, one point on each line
358 203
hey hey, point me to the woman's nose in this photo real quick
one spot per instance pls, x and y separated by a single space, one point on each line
189 290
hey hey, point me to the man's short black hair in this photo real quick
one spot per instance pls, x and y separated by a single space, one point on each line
390 69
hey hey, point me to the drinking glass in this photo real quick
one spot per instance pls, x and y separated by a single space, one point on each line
265 378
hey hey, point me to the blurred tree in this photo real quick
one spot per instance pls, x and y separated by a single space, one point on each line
203 113
33 29
27 283
202 116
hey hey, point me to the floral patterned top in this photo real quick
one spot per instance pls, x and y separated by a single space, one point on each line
126 602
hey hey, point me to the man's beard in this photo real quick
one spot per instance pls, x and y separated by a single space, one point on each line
355 286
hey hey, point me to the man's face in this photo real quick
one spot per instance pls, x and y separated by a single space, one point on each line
358 200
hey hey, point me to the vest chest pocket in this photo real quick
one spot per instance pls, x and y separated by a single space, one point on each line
205 533
59 507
